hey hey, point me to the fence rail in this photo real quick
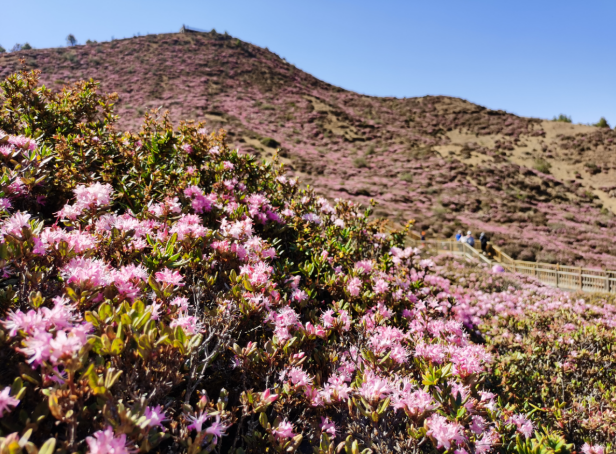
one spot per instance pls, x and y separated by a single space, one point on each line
560 276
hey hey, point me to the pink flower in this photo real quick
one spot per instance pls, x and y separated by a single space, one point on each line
95 195
104 442
87 272
523 425
354 286
299 377
593 449
187 148
445 433
15 224
6 401
311 217
284 430
374 387
328 426
189 226
200 202
155 416
197 421
169 277
181 302
227 165
37 347
65 345
364 266
217 430
268 397
28 322
381 286
189 324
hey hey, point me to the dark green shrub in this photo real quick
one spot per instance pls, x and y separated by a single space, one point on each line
602 123
270 143
564 118
360 163
542 165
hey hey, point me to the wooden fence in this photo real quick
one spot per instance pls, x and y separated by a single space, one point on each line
560 276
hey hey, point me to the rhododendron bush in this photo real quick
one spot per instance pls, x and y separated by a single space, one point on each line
554 351
161 292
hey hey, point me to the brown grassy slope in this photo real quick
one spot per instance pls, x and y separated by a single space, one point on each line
444 161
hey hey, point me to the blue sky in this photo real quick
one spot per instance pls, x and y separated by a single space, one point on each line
534 58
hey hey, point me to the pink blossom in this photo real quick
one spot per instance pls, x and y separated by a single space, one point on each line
6 401
311 217
523 425
5 204
593 449
15 224
284 430
181 302
444 432
87 272
380 286
189 226
268 397
228 166
299 377
328 426
65 345
28 322
189 324
104 442
364 266
374 387
95 195
217 430
187 148
197 421
354 286
155 416
200 202
37 347
170 277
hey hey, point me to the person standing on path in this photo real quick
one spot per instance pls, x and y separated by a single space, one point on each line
469 239
458 235
483 239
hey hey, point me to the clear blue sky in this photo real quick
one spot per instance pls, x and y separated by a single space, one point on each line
531 57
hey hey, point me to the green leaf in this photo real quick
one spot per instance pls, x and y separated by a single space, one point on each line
48 447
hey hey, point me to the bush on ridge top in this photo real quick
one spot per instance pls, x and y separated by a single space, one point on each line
162 293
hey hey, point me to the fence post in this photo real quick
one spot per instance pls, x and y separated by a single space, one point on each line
557 275
581 286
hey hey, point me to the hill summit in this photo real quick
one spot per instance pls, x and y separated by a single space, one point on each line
543 190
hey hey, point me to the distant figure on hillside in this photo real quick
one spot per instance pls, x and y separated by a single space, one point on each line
483 239
458 235
469 239
423 235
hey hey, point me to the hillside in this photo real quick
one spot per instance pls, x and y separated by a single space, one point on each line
444 161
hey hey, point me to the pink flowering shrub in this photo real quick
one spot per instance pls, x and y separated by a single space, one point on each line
148 308
553 350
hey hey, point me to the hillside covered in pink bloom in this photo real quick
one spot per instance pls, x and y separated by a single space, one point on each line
543 190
